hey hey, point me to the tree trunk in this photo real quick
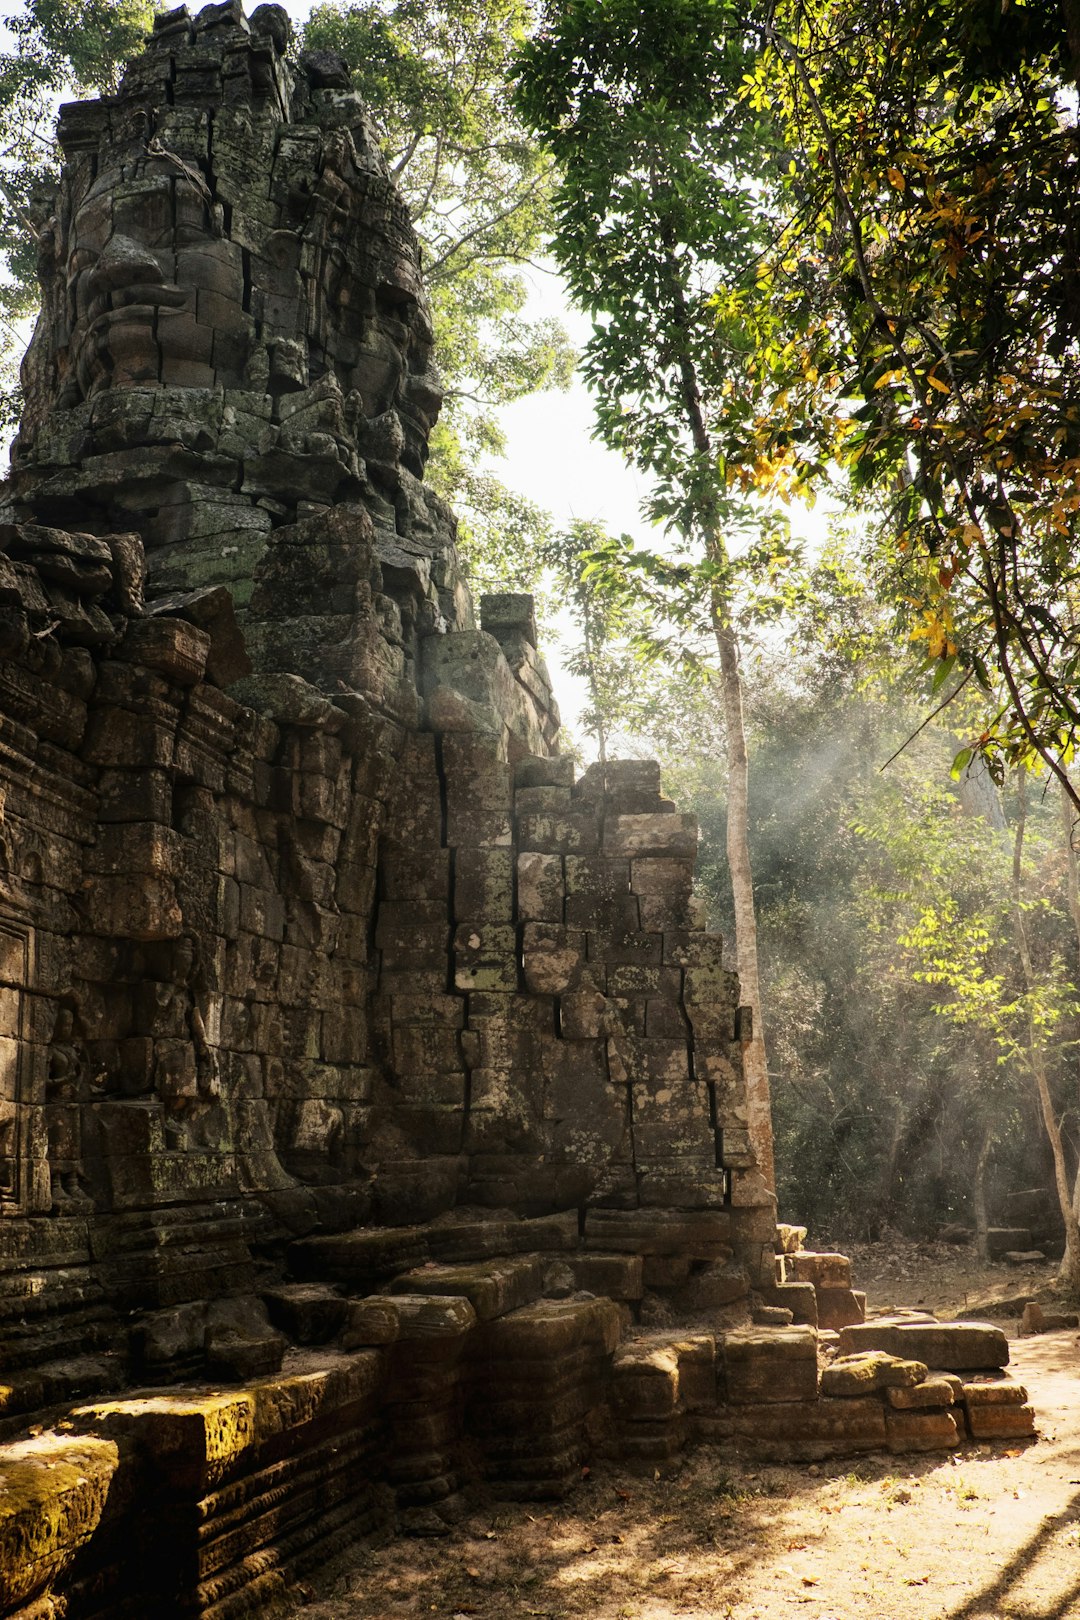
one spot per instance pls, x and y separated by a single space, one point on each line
755 1068
759 1107
1069 1274
1070 829
978 792
978 1196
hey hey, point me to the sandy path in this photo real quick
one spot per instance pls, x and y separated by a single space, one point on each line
990 1534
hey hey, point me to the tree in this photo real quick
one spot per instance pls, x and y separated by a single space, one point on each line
917 322
435 78
62 47
1006 978
646 153
602 657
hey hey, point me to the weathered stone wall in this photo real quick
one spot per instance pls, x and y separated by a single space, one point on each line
303 924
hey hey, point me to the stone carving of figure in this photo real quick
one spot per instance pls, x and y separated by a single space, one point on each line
186 1069
68 1087
7 843
8 1148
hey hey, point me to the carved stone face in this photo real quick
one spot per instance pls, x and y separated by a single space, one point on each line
131 322
183 959
64 1028
252 261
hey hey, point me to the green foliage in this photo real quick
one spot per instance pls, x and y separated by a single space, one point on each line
882 1097
634 102
917 322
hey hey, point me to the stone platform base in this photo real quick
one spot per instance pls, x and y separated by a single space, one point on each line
502 1373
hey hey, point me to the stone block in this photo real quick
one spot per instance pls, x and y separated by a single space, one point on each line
771 1365
486 957
369 1322
587 1015
603 779
504 611
177 649
55 1490
694 1234
645 1382
799 1298
614 1276
789 1239
492 1287
638 835
617 947
411 874
528 801
309 1313
840 1307
539 887
711 1285
552 770
659 914
992 1392
617 914
921 1431
807 1431
663 877
1000 1422
553 958
823 1270
861 1374
551 1328
484 885
568 832
932 1392
954 1346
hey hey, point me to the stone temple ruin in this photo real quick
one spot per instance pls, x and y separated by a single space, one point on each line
370 1094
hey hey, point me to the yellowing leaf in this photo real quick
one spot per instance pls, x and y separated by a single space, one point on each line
936 382
896 179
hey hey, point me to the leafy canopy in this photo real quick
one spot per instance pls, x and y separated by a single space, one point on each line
917 321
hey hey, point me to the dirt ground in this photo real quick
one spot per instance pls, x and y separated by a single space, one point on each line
990 1533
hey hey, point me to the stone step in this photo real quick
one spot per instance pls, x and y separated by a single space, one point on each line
55 1490
364 1258
492 1287
768 1365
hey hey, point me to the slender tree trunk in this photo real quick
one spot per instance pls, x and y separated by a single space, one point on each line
1069 827
591 656
1070 12
755 1068
1069 1274
978 1196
